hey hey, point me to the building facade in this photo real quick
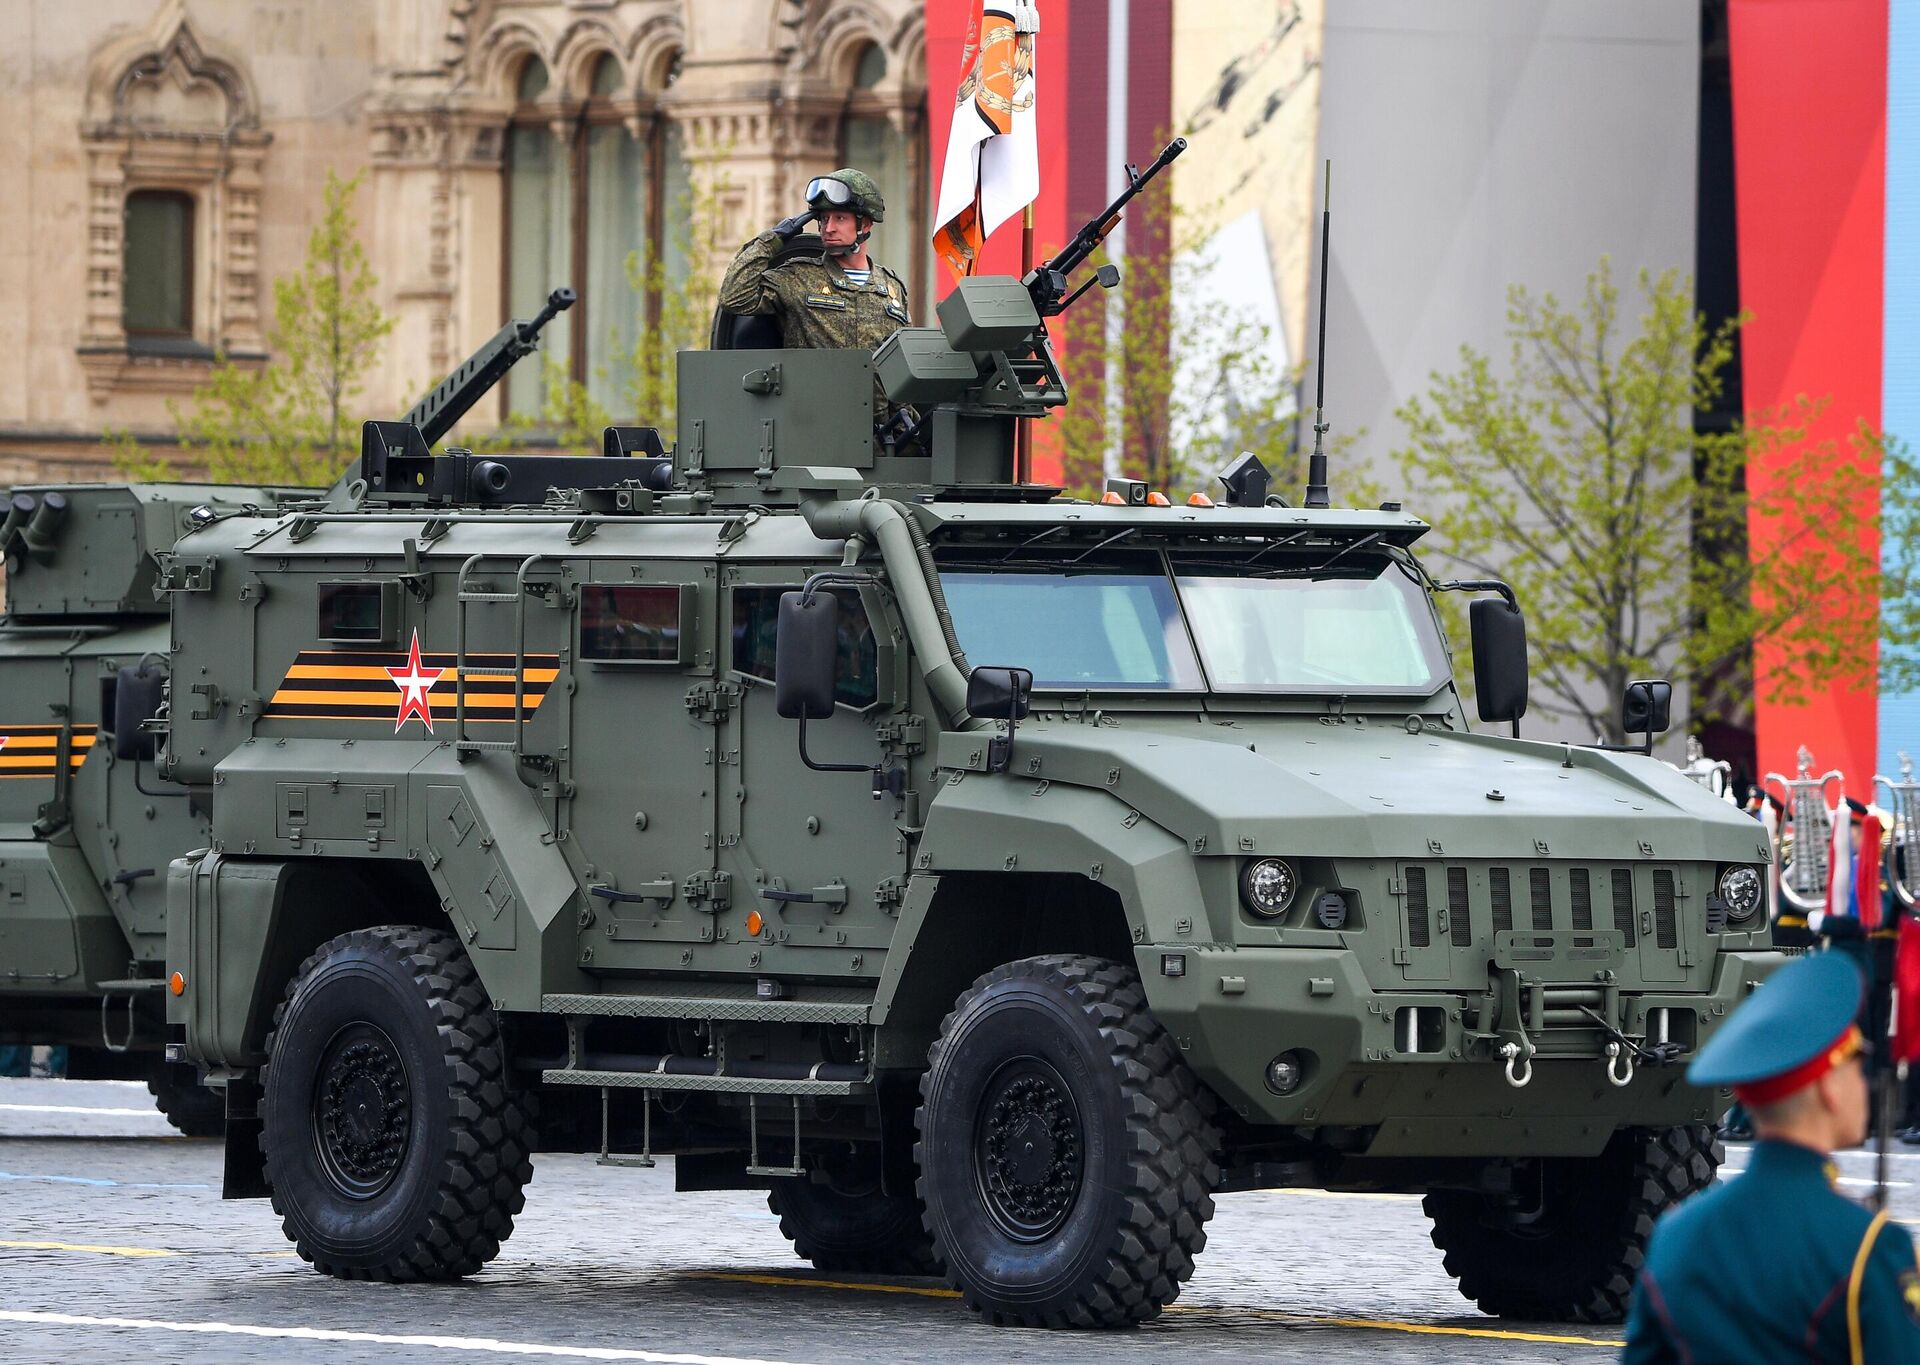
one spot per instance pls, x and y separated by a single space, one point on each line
170 156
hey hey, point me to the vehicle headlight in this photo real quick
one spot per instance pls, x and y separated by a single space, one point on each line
1267 886
1741 888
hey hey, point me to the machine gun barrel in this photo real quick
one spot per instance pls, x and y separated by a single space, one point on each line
1048 283
451 397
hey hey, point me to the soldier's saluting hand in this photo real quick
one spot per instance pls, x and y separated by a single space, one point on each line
838 298
1792 1054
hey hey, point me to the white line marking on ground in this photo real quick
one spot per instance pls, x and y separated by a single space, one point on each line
485 1345
79 1109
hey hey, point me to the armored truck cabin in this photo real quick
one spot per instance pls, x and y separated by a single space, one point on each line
994 877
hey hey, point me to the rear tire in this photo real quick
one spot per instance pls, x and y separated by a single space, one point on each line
395 1148
1067 1156
850 1226
1578 1261
198 1111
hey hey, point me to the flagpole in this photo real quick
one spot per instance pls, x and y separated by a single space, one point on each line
1023 434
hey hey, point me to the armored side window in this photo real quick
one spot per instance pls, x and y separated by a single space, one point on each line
359 613
756 619
633 623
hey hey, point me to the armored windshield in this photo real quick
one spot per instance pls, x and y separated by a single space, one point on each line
1163 625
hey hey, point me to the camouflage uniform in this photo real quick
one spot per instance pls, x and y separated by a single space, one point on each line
815 301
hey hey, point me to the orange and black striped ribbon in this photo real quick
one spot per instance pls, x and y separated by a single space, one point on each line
327 684
34 750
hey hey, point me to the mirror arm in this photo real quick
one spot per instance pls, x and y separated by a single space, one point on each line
1000 748
886 781
1480 585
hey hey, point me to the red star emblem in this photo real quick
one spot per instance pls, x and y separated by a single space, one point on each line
414 683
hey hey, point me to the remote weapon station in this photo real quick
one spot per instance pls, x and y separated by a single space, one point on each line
996 878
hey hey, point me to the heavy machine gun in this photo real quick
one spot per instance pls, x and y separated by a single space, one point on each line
397 463
1048 283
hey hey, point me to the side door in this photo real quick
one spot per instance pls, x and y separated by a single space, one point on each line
817 860
641 756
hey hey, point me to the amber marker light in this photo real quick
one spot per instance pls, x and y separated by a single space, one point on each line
1113 497
1158 499
1199 500
177 983
754 924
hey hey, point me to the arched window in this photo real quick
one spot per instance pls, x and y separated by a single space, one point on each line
610 230
156 290
594 208
539 247
875 138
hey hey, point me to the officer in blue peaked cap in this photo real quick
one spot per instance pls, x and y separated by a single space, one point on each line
1792 1054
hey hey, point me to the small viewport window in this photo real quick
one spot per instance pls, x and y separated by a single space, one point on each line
359 613
633 623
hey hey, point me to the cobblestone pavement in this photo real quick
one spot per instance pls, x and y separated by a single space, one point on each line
104 1216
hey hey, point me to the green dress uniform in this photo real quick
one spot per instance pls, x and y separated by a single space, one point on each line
1777 1264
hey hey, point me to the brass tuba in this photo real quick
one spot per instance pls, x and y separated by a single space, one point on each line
1902 845
1806 856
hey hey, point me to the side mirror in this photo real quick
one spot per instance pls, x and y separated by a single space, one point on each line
1646 708
1000 694
1499 660
804 652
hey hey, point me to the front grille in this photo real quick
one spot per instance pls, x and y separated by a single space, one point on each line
1502 900
1446 904
1419 934
1666 931
1623 903
1582 887
1457 917
1540 892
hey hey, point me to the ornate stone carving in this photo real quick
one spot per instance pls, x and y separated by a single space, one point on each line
164 111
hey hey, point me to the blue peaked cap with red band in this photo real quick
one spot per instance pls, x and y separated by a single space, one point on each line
1797 1014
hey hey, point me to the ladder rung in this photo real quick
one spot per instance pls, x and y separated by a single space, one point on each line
479 671
470 596
484 745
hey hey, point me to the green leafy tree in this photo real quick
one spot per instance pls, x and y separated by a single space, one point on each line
1900 576
1576 473
296 419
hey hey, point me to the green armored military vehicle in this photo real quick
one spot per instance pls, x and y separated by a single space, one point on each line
995 878
86 826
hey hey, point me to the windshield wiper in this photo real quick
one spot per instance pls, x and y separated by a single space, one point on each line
1324 564
1095 549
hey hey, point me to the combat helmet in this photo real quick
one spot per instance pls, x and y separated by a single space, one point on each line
847 188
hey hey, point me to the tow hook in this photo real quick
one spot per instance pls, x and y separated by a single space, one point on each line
1619 1065
1519 1064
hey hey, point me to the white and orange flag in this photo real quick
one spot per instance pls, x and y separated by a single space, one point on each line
993 151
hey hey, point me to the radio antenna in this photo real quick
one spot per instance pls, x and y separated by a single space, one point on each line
1317 462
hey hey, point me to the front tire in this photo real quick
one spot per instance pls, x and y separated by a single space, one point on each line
1577 1260
395 1148
1067 1157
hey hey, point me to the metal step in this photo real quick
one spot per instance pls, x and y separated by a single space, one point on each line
732 1085
853 1010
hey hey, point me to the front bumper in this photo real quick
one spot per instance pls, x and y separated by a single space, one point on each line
1433 1082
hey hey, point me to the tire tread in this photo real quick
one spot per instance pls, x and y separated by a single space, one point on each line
481 1185
1173 1164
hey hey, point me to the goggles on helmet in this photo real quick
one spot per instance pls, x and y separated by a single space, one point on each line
836 192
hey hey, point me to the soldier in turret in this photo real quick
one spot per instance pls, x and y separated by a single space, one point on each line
838 298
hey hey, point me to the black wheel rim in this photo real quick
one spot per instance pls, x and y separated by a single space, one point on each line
1028 1154
362 1111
